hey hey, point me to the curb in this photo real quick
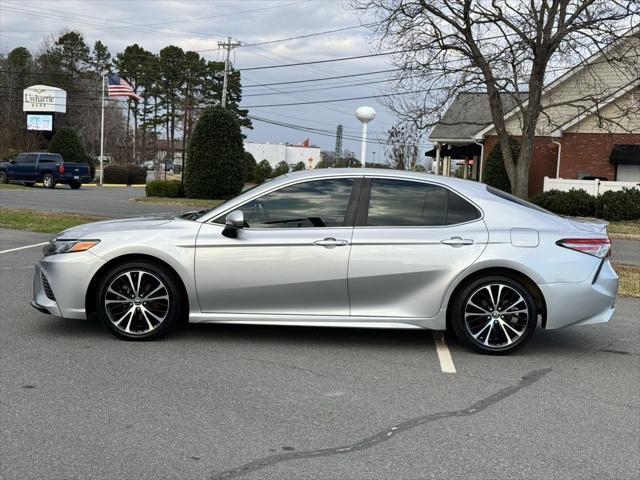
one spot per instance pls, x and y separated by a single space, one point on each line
138 185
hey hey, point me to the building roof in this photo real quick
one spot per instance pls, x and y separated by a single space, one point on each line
468 114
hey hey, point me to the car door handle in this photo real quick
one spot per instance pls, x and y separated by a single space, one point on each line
331 242
457 241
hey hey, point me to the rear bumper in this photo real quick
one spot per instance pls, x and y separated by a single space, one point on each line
68 178
582 303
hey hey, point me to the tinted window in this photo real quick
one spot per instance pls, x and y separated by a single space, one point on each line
20 159
517 200
32 158
398 203
320 203
50 158
459 210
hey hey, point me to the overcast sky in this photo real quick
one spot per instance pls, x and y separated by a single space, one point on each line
200 24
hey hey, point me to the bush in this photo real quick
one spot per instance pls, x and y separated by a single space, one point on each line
125 174
575 203
249 165
215 156
164 188
67 143
262 171
621 205
298 167
281 168
494 173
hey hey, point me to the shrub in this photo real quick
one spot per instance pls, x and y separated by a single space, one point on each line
575 203
215 156
249 165
125 174
494 173
67 143
621 205
298 167
164 188
262 171
281 168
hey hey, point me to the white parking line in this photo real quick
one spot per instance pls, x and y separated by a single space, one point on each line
446 362
23 248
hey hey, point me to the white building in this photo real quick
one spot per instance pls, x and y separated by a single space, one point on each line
275 153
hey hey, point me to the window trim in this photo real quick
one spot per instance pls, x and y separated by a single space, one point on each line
363 205
349 217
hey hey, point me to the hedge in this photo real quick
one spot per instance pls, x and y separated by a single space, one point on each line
164 188
612 205
125 174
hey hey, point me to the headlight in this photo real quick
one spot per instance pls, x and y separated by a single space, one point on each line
68 246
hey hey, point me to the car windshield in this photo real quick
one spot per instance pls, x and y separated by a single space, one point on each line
195 214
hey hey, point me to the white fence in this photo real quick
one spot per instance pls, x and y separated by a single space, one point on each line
593 187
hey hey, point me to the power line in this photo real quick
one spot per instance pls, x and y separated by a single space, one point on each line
326 32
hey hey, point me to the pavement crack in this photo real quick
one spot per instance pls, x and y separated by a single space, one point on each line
283 365
386 434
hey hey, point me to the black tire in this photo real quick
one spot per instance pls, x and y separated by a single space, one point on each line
138 323
75 185
3 178
48 181
474 323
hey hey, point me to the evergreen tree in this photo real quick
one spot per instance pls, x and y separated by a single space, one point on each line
263 171
281 168
214 156
494 173
249 165
67 143
298 167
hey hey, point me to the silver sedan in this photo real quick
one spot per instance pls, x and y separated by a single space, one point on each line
339 248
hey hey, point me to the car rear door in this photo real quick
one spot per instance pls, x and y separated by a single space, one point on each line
25 167
290 259
411 239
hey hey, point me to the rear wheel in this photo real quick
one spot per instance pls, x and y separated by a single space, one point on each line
48 181
3 177
138 301
75 185
495 315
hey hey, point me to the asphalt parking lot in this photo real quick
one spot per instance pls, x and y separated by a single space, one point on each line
212 402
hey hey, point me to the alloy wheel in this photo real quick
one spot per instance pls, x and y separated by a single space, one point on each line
137 302
496 316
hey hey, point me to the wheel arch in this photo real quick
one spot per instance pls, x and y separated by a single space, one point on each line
90 305
508 272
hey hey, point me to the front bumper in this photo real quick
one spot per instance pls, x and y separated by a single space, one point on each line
582 303
60 283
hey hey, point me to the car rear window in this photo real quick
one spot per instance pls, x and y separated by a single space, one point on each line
517 200
50 157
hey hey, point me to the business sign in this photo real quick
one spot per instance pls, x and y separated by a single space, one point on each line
40 122
42 98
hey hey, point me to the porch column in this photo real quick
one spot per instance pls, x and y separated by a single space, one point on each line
474 168
437 164
466 167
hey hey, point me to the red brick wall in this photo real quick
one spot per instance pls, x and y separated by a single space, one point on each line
589 152
581 152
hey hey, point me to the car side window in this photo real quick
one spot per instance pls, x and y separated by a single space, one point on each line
31 159
402 203
49 158
20 159
313 204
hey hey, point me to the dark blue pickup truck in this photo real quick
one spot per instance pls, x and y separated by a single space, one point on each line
48 168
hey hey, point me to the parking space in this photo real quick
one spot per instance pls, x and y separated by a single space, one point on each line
214 401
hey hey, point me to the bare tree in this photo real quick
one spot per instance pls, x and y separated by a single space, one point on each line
508 48
403 146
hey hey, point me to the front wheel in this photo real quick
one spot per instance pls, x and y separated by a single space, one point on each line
75 185
3 178
495 315
138 301
48 181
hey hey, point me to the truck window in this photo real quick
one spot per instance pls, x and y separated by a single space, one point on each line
31 159
50 158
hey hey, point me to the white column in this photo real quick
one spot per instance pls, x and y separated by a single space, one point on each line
437 168
363 144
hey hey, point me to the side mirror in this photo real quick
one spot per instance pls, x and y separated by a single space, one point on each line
234 221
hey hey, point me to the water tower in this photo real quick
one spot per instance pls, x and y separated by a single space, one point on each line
365 115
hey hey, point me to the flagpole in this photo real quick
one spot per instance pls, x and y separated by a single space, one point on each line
102 133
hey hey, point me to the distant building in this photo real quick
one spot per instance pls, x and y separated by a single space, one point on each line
275 153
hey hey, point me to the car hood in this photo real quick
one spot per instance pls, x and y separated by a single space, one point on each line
94 229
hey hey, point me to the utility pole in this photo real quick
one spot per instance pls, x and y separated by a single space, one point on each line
228 46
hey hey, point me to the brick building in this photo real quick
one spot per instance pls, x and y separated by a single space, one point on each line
590 126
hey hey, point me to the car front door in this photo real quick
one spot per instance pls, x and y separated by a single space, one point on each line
411 239
291 257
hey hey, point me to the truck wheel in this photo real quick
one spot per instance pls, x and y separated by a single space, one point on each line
48 181
3 177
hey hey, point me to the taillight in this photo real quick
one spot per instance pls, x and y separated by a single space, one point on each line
61 169
598 247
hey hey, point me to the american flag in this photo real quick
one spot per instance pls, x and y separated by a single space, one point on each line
117 87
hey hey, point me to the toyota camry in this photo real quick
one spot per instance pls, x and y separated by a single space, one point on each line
340 248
